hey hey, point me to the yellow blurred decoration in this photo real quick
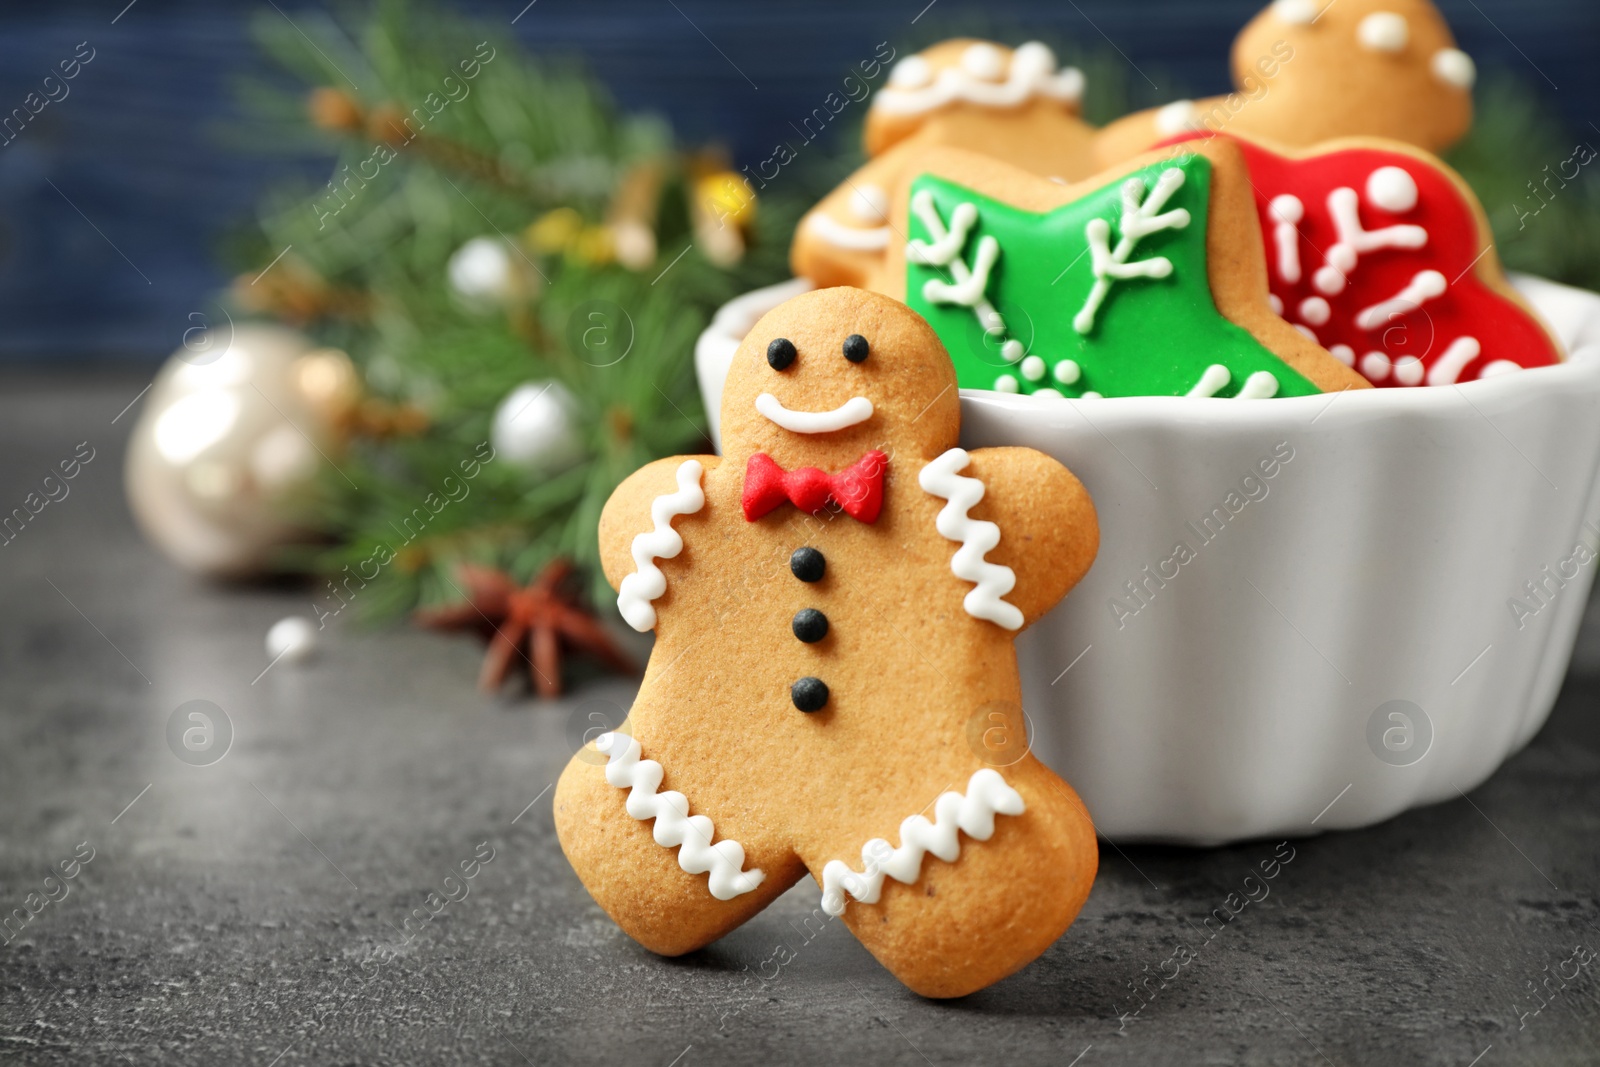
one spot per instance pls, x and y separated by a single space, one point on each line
727 196
554 231
593 246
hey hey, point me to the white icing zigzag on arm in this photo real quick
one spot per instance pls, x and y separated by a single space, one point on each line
675 827
647 582
976 537
987 795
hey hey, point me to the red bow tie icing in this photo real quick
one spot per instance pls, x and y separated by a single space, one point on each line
858 489
1372 254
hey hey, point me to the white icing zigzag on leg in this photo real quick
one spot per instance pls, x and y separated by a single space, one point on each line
988 795
647 582
691 834
976 538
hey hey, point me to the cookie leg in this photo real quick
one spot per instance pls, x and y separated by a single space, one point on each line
964 925
643 885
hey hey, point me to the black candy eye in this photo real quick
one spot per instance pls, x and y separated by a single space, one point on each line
856 348
780 353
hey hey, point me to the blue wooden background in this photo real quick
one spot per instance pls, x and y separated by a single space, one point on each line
113 200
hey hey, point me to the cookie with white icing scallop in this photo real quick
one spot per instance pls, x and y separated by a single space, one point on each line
1310 70
835 601
1017 105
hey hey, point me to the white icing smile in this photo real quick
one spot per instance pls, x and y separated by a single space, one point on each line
857 409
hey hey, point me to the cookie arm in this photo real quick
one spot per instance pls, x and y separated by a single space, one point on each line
637 528
1048 531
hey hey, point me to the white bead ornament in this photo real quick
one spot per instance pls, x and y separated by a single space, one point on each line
535 428
291 640
482 269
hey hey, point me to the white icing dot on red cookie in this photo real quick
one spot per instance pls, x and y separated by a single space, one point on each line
1006 384
912 72
1498 367
1286 208
1454 67
984 60
1375 366
1274 303
870 203
1408 370
1175 117
1033 368
1383 31
1306 330
1067 372
1392 189
1315 310
1296 12
1344 354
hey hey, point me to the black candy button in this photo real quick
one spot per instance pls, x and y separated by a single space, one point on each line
807 564
780 353
856 348
809 694
810 625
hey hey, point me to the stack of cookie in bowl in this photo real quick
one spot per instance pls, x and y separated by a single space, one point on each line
1307 203
1244 374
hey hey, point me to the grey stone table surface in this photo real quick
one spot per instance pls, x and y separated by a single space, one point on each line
254 911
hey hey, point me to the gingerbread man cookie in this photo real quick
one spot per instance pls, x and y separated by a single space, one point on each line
835 601
1013 105
1147 280
1382 253
1311 70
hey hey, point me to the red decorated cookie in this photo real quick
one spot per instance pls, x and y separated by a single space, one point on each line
1382 255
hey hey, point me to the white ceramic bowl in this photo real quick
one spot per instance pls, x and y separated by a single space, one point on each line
1345 644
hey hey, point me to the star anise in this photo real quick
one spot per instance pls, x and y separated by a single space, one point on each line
536 622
